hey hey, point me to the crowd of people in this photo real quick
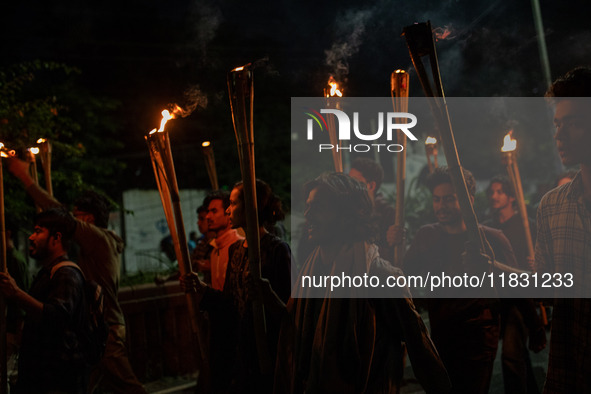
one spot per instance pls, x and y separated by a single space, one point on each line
317 341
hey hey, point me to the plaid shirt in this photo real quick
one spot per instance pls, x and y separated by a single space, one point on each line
564 246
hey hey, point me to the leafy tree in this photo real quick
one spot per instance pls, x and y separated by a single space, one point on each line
45 100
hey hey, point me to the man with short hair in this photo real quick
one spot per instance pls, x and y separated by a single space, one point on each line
51 359
564 236
465 330
100 260
518 374
219 222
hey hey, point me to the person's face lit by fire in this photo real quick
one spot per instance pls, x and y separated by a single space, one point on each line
41 243
497 197
572 120
217 220
236 209
446 205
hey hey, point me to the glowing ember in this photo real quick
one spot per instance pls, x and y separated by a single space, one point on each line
400 71
205 144
430 141
41 140
34 150
509 144
334 88
238 68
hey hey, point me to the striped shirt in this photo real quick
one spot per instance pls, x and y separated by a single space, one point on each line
564 246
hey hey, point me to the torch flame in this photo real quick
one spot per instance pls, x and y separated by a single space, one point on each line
334 88
509 144
430 141
166 116
238 68
205 144
34 150
41 140
4 152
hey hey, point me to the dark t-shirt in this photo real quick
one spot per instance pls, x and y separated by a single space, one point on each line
50 358
434 250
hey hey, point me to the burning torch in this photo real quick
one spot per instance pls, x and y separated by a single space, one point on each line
431 152
508 149
207 150
31 153
241 92
420 42
399 87
332 94
44 147
3 346
160 153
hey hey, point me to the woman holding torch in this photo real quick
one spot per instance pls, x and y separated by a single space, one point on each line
230 310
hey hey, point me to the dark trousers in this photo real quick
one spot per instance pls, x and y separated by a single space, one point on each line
114 370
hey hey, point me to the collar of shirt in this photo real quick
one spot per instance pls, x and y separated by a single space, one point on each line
229 237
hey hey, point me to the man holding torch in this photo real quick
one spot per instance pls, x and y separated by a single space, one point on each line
517 368
100 260
564 235
465 330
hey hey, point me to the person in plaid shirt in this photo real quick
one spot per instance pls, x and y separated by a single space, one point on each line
564 236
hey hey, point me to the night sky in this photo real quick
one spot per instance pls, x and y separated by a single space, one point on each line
145 54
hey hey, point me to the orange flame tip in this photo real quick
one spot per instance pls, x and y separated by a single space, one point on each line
509 144
166 116
205 144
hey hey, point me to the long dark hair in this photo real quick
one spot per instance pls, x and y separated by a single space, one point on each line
269 206
351 198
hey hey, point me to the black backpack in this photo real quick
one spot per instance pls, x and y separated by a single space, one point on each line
94 331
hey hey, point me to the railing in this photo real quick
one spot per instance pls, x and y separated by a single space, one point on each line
159 337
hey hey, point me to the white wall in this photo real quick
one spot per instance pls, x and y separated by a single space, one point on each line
146 226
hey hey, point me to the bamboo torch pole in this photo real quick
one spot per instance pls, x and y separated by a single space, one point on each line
509 147
431 152
164 172
32 159
31 156
45 155
3 344
207 150
241 92
399 87
332 94
508 150
419 39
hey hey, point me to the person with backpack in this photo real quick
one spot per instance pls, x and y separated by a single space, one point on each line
52 350
100 259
